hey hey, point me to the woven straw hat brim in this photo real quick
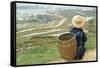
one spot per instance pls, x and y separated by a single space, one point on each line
78 25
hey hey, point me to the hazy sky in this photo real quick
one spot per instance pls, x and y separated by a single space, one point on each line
49 7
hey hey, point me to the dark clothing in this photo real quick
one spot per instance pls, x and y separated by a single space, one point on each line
78 33
81 39
80 53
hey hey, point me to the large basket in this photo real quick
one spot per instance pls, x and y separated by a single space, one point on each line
67 45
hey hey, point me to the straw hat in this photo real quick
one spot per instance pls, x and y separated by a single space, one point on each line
78 21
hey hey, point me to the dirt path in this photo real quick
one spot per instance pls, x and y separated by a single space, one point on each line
90 55
40 33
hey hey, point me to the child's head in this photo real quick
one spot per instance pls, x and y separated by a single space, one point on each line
78 21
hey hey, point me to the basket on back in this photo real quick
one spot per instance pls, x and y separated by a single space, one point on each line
67 46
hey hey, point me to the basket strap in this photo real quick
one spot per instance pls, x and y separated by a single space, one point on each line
81 38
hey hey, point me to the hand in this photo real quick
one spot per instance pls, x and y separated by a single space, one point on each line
85 31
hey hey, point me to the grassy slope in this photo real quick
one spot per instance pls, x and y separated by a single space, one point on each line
39 54
91 43
43 51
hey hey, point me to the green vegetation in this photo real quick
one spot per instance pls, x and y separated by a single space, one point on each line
91 43
44 47
40 53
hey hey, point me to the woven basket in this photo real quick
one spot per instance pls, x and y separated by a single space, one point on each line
67 46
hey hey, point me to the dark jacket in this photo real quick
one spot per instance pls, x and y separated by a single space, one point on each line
80 40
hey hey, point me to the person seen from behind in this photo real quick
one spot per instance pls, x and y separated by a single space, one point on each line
78 23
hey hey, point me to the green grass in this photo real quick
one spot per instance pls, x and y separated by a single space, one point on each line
91 43
22 42
38 54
